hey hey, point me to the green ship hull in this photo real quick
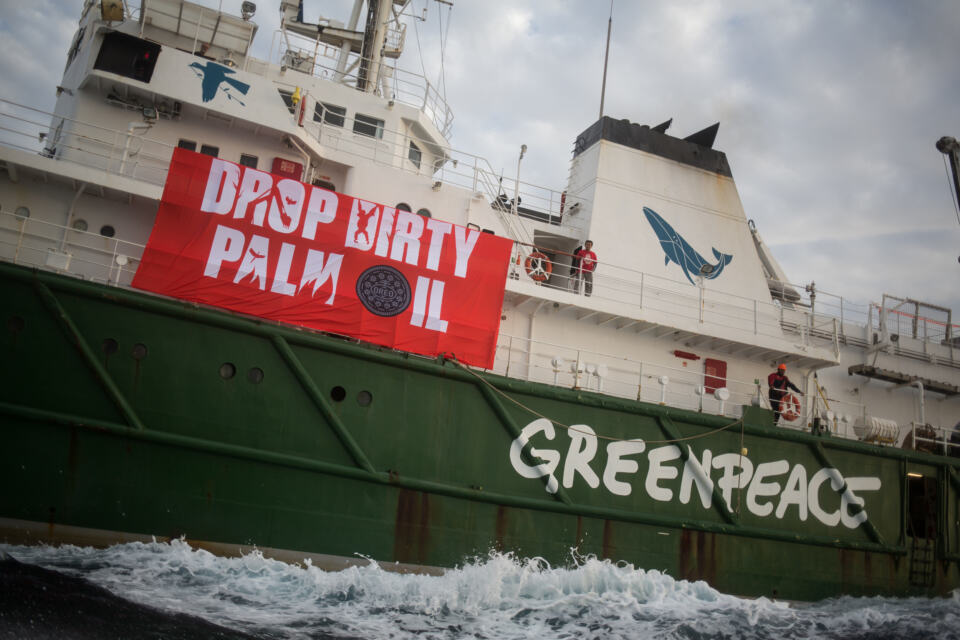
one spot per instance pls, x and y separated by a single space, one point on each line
130 414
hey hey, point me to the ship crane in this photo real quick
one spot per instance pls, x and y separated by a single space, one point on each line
949 146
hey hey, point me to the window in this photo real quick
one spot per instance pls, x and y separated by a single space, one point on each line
210 150
127 56
414 154
423 212
403 206
368 126
248 160
324 184
189 145
329 114
287 99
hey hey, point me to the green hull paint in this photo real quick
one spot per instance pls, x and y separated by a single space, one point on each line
152 439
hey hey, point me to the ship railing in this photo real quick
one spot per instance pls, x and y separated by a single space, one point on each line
320 60
619 376
461 169
692 305
127 153
73 250
893 320
932 439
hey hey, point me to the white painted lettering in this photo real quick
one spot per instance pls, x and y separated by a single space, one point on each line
794 492
551 458
658 471
758 488
466 241
282 272
318 272
322 209
255 262
286 209
583 447
434 321
728 481
852 517
227 246
616 452
699 472
438 231
255 189
813 495
221 190
420 301
406 238
364 217
385 231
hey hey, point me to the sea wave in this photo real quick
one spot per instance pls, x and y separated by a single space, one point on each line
492 596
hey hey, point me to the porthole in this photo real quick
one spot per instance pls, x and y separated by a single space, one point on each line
338 394
403 206
139 351
22 212
80 224
15 324
227 370
110 346
255 375
364 398
424 212
107 231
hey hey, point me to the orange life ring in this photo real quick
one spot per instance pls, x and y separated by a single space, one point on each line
789 407
538 266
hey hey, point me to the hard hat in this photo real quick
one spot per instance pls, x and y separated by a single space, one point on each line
782 367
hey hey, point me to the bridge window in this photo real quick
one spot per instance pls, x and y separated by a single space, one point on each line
189 145
414 154
287 99
368 126
329 114
248 160
127 56
210 150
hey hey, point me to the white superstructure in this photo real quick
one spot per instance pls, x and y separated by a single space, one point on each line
689 307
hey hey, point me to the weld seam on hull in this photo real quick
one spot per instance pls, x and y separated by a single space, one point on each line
668 428
303 377
384 478
74 336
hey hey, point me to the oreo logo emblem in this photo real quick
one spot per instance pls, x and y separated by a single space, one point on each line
383 291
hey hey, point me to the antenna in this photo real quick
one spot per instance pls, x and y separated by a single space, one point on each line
606 57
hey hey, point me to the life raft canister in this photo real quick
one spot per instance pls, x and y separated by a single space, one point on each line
789 407
538 266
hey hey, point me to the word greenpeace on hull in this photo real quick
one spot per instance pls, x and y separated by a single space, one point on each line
769 488
246 240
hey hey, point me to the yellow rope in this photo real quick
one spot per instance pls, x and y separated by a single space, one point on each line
597 435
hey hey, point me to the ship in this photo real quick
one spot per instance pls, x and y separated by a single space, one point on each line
519 403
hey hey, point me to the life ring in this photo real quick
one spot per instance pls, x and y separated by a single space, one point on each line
538 266
789 407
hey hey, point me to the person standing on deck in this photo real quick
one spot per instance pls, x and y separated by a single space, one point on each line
779 383
588 263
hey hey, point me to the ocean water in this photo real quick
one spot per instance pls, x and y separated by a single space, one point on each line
170 590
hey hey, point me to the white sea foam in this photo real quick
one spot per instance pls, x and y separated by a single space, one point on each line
497 596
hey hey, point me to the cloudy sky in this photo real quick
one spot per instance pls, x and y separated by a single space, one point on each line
828 109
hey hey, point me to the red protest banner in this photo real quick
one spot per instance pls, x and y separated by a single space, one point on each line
246 240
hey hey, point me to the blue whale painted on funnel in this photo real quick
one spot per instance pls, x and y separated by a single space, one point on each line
680 251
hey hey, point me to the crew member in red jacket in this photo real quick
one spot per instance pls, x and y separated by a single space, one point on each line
588 263
779 383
